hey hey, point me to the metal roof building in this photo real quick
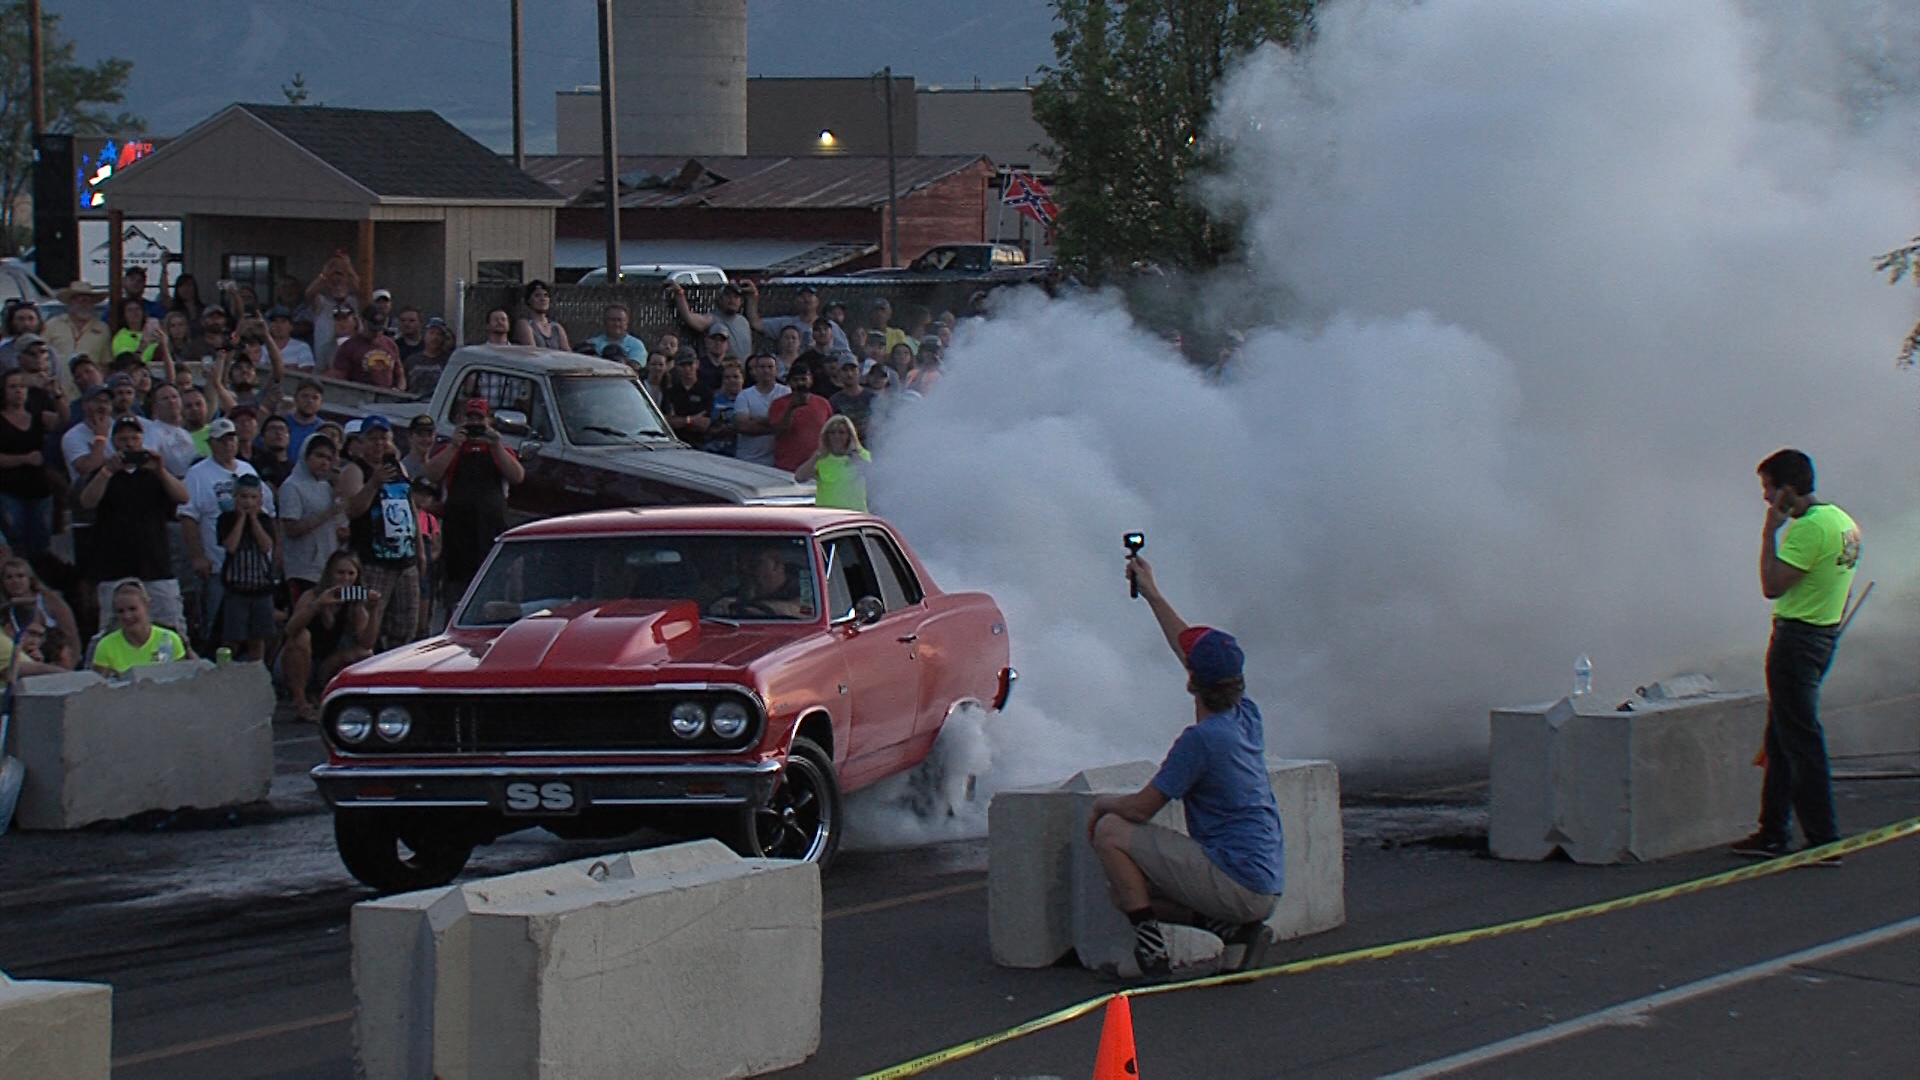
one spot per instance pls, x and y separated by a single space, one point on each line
765 214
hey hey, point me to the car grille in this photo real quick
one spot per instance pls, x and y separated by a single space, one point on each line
569 723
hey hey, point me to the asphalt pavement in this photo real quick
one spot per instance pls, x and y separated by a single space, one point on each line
225 939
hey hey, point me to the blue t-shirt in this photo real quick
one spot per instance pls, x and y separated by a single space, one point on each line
1218 770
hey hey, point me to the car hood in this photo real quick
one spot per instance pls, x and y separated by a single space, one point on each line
726 478
587 643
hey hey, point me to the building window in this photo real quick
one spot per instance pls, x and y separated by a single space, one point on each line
500 272
254 271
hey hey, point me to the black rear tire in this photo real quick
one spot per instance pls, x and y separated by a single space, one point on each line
377 854
801 818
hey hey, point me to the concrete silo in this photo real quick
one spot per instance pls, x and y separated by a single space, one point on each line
680 76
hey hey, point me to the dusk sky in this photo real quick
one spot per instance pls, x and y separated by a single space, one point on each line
451 55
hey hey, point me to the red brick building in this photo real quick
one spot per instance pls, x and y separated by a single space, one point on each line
766 215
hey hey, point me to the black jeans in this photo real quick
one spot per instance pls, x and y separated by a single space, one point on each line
1797 780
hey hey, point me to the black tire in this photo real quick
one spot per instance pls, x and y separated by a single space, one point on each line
371 847
801 819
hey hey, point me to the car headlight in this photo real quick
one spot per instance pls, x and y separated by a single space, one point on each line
393 723
353 724
729 719
688 719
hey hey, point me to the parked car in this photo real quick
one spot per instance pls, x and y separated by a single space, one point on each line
724 671
684 273
586 431
19 284
957 260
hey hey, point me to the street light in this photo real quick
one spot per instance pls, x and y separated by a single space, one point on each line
826 139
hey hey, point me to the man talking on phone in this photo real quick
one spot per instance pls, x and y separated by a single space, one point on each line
474 470
1226 872
1807 571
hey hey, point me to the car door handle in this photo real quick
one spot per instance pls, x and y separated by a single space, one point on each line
909 638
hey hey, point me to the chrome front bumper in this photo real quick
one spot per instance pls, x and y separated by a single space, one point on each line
401 787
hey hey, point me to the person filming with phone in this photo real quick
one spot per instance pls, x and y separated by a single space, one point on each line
133 499
474 471
330 627
1198 901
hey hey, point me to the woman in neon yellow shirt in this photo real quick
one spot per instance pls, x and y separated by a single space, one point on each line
838 468
137 641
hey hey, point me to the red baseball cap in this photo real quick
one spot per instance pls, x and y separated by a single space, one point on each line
1212 655
477 404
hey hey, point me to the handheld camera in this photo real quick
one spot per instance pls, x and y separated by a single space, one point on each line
351 593
1134 541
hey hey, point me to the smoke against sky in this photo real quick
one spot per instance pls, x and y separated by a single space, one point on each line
1558 277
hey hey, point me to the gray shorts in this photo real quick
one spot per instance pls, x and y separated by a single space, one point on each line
246 617
1178 868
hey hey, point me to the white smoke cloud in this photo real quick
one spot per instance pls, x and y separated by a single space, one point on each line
1568 271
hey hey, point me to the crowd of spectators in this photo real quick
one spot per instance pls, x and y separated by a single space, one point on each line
169 485
764 388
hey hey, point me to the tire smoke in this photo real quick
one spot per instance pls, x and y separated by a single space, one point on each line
1538 285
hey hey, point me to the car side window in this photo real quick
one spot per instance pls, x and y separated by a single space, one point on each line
898 586
849 576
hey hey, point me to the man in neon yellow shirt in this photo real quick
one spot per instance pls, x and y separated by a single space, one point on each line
136 641
1807 571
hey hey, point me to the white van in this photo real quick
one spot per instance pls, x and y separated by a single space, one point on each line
684 273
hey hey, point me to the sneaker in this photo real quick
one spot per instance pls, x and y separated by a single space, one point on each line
1163 952
1246 943
1150 950
1759 846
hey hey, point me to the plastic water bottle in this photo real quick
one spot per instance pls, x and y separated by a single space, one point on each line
1582 675
164 653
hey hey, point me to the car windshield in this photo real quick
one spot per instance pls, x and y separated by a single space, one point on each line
607 410
753 577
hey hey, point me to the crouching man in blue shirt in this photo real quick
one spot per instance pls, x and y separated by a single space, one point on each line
1225 874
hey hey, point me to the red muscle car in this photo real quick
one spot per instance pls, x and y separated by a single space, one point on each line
724 671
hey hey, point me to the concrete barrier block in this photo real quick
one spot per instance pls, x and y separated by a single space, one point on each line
56 1030
709 971
1047 892
590 956
1033 835
1315 894
1604 786
181 735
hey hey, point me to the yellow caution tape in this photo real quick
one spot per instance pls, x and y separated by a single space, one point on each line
1879 836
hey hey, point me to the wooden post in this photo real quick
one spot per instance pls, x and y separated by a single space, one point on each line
519 120
36 72
116 267
366 261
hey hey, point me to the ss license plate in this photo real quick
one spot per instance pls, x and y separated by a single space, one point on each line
542 797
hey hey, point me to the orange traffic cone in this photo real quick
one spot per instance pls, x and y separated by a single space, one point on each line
1115 1059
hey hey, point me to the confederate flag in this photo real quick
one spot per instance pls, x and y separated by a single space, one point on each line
1030 197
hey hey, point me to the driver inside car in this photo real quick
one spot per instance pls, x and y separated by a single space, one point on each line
773 589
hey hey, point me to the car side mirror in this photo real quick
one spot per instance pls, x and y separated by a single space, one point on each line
512 422
867 610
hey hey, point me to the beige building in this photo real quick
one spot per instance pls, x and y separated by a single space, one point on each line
263 190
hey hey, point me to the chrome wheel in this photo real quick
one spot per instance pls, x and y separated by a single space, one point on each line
801 818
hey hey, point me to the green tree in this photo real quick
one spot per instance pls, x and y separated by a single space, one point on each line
1904 262
79 97
1126 106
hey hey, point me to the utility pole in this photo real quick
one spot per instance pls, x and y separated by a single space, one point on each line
893 193
37 77
519 111
610 162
